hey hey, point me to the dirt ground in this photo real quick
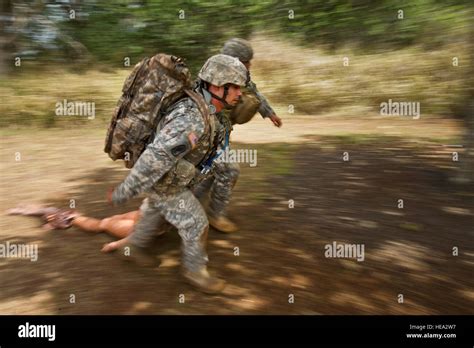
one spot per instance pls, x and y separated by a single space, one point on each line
408 251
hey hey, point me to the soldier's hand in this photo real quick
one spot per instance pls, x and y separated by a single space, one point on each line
109 195
276 120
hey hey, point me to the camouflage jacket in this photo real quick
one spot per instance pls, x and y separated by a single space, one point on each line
265 109
181 134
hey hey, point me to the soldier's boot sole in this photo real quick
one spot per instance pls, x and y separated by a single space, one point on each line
223 224
207 284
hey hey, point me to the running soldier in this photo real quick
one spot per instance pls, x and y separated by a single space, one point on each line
184 145
218 188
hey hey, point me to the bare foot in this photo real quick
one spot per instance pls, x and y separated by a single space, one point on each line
109 247
112 246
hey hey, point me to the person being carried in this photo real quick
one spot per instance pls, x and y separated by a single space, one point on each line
118 226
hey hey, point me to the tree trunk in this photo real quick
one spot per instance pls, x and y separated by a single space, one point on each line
6 46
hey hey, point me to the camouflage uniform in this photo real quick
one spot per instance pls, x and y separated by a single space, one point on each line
265 109
225 177
168 167
241 49
162 169
219 187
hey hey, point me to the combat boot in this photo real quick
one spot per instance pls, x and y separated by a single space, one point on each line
138 255
222 224
204 281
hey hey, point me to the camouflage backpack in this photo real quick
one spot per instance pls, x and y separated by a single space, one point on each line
154 85
246 108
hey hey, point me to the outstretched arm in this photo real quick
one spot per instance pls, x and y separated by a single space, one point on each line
265 109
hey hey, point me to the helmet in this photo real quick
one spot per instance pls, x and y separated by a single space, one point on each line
222 69
238 48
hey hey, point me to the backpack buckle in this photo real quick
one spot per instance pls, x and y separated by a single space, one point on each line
205 170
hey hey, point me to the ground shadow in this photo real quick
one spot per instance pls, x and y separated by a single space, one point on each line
297 200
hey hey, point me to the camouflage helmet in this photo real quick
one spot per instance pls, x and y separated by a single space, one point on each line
222 69
238 48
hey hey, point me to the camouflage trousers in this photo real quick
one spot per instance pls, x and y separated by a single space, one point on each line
218 187
183 211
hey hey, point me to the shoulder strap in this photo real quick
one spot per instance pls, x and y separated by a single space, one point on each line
204 109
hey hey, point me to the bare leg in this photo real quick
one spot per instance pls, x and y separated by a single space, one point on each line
161 227
109 247
119 226
87 224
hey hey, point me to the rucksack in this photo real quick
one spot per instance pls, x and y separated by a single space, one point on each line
152 87
246 108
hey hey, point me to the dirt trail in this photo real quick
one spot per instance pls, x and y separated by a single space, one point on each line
281 249
297 128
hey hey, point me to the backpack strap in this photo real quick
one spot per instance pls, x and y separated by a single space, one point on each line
209 121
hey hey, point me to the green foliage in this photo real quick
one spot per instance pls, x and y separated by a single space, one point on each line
194 29
191 29
370 24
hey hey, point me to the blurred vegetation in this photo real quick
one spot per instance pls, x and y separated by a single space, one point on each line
317 82
75 49
114 29
376 25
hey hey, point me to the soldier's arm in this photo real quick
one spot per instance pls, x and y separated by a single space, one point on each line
178 136
265 109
